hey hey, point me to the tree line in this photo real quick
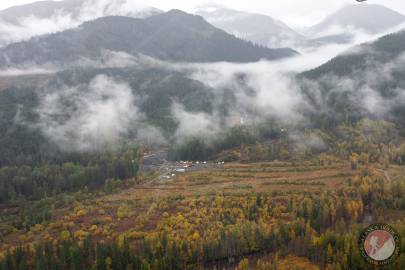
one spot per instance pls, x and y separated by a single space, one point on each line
36 182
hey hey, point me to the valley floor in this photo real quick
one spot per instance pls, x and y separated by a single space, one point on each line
276 215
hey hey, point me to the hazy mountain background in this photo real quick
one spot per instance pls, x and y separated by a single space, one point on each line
343 25
260 29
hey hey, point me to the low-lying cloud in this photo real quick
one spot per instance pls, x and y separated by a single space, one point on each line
191 124
106 112
89 118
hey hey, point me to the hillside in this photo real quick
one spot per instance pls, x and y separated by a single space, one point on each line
24 142
365 81
172 36
382 51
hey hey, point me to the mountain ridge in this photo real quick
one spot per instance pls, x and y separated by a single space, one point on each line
171 36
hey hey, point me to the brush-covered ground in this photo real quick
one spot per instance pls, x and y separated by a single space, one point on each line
304 213
274 215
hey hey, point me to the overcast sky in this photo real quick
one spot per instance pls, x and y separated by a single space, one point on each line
293 12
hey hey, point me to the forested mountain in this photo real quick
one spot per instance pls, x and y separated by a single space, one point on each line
367 18
366 56
172 36
23 143
257 28
367 80
157 89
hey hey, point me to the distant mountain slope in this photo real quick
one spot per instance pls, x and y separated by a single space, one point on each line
41 9
22 22
258 28
368 18
172 36
75 9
